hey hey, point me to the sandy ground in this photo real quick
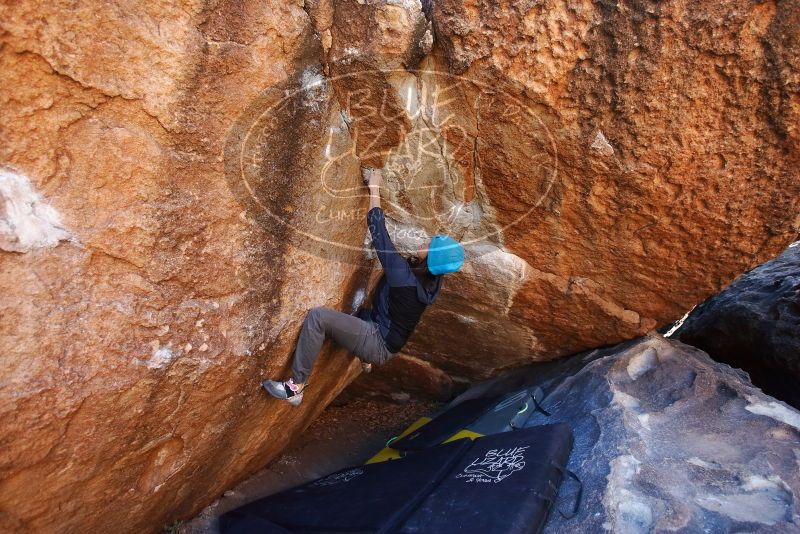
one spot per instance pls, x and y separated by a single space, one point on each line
343 436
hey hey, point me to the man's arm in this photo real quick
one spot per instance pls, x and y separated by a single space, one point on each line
398 273
375 177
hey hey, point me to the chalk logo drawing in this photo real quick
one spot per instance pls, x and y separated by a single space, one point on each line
338 478
293 158
495 466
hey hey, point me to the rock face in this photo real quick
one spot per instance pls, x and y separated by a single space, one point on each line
668 440
754 324
613 149
181 183
144 294
404 377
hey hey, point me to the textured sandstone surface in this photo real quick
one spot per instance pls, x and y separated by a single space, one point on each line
662 162
754 324
665 441
132 352
181 183
402 378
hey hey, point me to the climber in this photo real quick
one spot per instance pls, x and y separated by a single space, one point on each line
403 292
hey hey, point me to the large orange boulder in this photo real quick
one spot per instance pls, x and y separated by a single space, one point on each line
145 290
637 157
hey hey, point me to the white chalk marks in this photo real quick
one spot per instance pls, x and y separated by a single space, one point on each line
27 221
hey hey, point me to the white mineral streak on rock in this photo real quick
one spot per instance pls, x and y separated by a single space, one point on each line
314 88
694 460
644 420
601 144
762 500
411 97
643 362
405 89
27 222
160 358
348 55
486 261
756 482
358 299
778 411
311 78
406 4
630 511
626 401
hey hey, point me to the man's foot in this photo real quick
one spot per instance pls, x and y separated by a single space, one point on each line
366 367
288 391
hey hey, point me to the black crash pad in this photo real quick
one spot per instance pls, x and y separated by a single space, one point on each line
373 498
241 522
505 484
445 425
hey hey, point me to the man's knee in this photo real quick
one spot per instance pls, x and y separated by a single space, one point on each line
316 315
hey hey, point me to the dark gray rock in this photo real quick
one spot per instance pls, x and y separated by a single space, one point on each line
668 440
754 324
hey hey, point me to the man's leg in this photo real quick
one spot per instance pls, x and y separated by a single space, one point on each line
348 331
359 337
373 350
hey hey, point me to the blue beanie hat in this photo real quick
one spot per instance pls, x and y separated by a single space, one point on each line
445 255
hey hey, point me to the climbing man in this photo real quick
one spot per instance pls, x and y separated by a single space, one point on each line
403 292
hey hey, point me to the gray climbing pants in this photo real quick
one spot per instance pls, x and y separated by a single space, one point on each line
361 338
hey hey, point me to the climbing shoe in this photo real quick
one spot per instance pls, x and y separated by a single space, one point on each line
288 391
366 367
